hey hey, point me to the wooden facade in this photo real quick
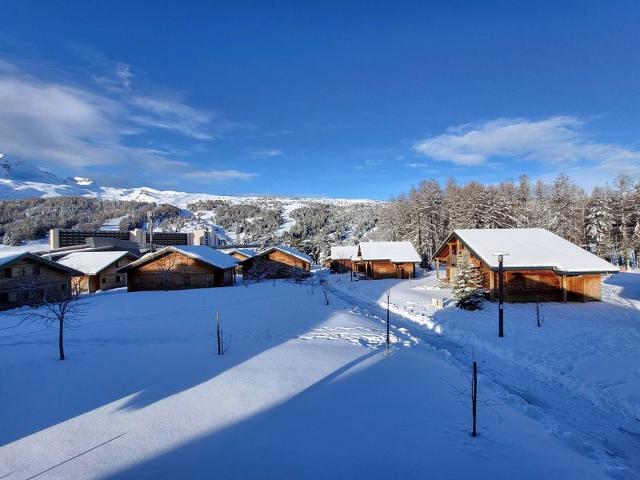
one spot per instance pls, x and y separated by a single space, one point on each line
273 263
107 278
241 257
25 279
521 284
176 271
343 265
378 269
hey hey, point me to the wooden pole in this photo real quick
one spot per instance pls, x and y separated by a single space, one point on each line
474 399
388 335
437 269
500 297
564 288
218 333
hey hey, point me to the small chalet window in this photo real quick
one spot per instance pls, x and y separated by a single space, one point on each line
4 297
36 269
63 286
117 278
103 280
7 273
186 279
117 263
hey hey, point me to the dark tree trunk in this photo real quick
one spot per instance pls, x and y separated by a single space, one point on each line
61 339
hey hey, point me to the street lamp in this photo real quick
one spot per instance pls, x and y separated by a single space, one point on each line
500 256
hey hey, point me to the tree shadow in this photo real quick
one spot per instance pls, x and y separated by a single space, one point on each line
147 358
375 418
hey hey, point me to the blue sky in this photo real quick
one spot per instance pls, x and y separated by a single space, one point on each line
338 99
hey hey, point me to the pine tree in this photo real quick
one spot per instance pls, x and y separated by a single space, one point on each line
467 286
599 221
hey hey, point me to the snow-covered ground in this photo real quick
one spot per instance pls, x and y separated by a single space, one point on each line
304 391
578 373
30 246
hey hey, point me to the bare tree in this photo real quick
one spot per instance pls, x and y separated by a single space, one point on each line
56 306
222 340
166 265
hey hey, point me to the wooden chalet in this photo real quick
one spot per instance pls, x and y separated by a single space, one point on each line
241 254
100 269
25 278
378 260
343 258
181 267
276 262
538 265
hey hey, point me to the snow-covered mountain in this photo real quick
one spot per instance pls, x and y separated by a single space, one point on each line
21 180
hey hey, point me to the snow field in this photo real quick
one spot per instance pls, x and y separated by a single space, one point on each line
577 373
305 391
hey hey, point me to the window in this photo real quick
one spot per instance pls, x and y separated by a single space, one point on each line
103 280
4 297
63 286
118 278
7 273
186 280
36 269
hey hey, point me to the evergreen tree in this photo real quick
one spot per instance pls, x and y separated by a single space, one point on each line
467 286
599 221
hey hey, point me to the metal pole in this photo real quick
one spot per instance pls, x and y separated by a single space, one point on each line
500 297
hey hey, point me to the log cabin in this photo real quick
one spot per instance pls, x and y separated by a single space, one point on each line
378 260
538 264
179 268
26 277
100 269
342 258
276 262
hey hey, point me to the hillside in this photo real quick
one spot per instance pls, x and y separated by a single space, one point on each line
304 221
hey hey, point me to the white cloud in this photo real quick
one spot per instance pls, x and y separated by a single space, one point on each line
72 125
217 175
265 152
558 140
172 115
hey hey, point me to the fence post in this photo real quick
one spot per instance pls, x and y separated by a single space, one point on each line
474 398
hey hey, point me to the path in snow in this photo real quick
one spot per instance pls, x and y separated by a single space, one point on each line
593 428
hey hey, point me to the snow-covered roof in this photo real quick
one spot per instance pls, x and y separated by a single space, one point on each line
247 252
396 252
7 258
289 251
92 263
531 248
202 253
341 252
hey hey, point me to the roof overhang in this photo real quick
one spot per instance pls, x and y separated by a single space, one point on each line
45 261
